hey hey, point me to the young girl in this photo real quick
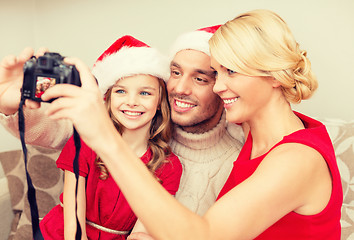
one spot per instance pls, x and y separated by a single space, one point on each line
131 76
285 183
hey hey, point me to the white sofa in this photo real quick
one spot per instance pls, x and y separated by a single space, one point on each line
14 209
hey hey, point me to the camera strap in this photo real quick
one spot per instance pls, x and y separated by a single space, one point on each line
77 142
31 192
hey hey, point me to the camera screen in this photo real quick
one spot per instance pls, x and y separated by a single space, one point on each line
42 84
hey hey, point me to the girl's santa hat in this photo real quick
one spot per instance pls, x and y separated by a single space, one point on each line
127 57
196 40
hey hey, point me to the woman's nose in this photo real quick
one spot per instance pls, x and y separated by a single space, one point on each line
219 85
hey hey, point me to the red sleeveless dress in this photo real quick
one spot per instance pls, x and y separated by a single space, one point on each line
321 226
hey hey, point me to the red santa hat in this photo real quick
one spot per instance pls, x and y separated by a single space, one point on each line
196 40
127 57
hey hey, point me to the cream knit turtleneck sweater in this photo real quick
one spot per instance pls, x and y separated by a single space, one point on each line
207 160
40 130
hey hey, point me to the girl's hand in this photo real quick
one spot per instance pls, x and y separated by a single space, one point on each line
84 105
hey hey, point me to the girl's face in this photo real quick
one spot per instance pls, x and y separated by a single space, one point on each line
134 101
245 97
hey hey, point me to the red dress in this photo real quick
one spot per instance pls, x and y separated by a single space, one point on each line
321 226
105 203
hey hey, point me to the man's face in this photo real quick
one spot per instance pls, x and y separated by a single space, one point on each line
194 105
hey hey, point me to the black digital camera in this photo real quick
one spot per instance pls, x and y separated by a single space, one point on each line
44 72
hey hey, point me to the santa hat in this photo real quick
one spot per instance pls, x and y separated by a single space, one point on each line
196 40
127 57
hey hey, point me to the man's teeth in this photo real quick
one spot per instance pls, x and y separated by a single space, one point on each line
184 105
229 101
132 113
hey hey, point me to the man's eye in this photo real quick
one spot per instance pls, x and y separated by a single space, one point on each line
200 79
176 73
231 71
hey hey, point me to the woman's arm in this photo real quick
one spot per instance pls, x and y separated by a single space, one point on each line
274 190
69 205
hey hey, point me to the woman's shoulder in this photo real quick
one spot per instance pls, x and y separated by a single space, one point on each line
295 157
291 150
291 162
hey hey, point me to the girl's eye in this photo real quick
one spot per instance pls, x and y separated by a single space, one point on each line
145 93
121 91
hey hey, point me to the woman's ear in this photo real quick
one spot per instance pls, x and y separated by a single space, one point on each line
275 82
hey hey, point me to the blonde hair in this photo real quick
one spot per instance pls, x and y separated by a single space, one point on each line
259 43
160 132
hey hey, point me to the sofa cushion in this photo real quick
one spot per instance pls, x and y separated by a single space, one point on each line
5 206
342 135
46 178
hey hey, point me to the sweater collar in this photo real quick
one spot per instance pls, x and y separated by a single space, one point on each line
200 141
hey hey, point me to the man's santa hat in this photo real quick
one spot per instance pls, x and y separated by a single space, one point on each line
196 40
127 57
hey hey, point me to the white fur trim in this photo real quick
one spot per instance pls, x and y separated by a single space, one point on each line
129 61
197 40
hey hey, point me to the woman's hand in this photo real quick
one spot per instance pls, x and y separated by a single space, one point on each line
84 106
11 79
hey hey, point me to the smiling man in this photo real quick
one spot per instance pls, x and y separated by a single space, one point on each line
193 105
205 143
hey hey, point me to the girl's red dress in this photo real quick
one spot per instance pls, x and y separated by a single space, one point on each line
322 226
105 203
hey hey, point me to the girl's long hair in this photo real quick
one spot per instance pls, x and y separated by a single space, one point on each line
160 132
